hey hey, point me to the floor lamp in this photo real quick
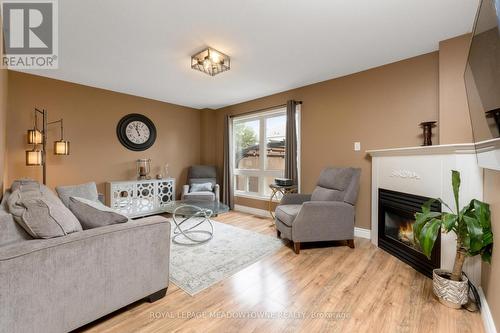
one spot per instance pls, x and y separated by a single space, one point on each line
36 137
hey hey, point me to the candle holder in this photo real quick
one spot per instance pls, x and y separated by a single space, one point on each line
427 127
143 168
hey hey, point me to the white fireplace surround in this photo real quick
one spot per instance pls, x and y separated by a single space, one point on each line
426 171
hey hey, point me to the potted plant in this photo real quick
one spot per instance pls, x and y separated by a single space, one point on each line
472 226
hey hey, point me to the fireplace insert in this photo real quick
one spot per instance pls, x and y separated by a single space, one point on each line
396 216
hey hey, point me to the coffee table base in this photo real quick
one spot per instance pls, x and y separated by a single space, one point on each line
188 233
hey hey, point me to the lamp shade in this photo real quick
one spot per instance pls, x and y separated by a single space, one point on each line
34 157
35 137
61 147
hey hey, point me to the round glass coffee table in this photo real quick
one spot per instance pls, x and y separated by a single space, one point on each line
192 220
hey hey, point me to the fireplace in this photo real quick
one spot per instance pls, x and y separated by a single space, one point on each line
395 229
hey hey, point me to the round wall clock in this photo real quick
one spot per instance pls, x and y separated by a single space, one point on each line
136 132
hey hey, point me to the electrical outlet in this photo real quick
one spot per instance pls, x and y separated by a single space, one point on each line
357 146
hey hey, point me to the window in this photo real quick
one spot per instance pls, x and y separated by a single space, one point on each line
251 135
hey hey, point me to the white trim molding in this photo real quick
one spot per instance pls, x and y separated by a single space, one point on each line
362 233
251 210
489 324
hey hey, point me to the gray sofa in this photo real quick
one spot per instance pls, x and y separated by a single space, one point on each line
198 174
60 284
325 215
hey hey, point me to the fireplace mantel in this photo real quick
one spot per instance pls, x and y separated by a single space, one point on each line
426 171
460 148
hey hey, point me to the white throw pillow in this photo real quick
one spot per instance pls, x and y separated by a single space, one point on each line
201 187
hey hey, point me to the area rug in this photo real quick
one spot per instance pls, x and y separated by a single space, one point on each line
195 268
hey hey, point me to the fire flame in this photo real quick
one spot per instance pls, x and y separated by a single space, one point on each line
406 232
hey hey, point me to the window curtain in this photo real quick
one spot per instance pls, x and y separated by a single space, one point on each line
291 165
227 186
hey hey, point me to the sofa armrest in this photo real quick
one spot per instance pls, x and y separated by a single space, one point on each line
217 192
185 190
82 276
324 220
294 199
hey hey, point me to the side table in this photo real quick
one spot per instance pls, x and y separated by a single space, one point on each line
275 189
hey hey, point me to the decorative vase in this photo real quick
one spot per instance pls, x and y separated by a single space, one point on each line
451 293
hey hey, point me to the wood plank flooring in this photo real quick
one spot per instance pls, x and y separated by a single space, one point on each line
323 289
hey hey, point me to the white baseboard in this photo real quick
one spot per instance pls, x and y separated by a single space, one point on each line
251 210
362 233
489 324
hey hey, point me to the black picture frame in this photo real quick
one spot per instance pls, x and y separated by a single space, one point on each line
122 136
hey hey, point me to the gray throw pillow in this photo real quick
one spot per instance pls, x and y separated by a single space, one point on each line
201 187
93 214
87 191
40 212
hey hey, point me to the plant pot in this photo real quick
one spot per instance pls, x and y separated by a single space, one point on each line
453 294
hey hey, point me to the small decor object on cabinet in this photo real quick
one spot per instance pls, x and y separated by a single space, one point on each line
427 126
136 132
143 168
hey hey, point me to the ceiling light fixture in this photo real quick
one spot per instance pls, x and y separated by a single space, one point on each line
211 62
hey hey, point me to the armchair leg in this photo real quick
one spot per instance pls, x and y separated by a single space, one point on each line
296 247
350 243
278 233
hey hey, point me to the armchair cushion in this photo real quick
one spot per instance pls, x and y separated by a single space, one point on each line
295 199
200 196
326 194
287 213
201 187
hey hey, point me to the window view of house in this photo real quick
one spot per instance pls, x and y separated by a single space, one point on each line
254 171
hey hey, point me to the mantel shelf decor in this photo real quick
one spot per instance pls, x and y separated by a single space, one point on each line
36 137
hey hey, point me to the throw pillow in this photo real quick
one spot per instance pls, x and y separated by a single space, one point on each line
87 191
93 214
201 187
40 212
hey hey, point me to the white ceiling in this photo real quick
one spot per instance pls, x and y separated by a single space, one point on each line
143 48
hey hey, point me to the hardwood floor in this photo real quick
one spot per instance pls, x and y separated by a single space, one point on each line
359 290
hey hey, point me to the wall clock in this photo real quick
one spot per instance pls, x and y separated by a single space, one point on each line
136 132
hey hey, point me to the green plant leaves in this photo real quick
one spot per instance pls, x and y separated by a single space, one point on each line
455 183
429 235
449 220
472 224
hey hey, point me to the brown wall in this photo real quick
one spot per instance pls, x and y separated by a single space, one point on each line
90 118
454 120
3 126
3 115
381 107
491 273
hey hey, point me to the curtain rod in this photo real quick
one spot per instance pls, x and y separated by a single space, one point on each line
261 110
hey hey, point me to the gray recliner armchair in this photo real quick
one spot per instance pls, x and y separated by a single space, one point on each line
325 215
200 174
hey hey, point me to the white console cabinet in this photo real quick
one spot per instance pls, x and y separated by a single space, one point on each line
138 198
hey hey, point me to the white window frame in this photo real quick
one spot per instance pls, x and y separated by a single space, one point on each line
261 173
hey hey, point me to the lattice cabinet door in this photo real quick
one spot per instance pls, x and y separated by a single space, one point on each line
166 192
145 201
